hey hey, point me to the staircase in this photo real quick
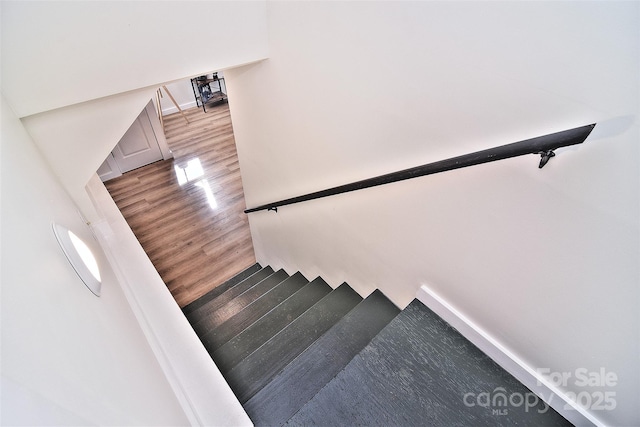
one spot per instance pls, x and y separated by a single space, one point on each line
301 353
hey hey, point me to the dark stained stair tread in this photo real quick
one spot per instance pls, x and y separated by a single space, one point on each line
234 306
189 308
245 343
252 312
299 353
257 369
416 371
210 307
318 364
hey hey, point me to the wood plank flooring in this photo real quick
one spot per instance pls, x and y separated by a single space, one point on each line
187 212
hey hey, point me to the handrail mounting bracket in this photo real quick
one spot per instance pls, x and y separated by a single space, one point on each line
545 156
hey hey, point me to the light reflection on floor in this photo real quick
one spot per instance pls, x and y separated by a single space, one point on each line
204 184
192 172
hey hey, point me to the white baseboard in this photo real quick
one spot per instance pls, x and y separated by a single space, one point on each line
172 109
527 375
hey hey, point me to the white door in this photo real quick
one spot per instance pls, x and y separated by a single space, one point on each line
138 147
109 169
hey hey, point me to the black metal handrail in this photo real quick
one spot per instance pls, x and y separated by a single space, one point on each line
543 145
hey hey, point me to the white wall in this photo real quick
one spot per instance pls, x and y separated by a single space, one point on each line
56 54
68 357
545 260
76 139
79 73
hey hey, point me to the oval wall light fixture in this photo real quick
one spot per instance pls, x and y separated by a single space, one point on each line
80 257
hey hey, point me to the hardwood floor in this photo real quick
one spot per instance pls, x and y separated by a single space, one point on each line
187 212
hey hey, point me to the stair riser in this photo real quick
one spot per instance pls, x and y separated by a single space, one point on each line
304 377
250 314
417 371
221 289
245 343
257 369
203 313
238 303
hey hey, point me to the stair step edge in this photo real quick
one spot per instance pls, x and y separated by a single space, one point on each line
279 272
257 369
228 284
242 345
231 307
315 367
253 312
442 365
211 306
